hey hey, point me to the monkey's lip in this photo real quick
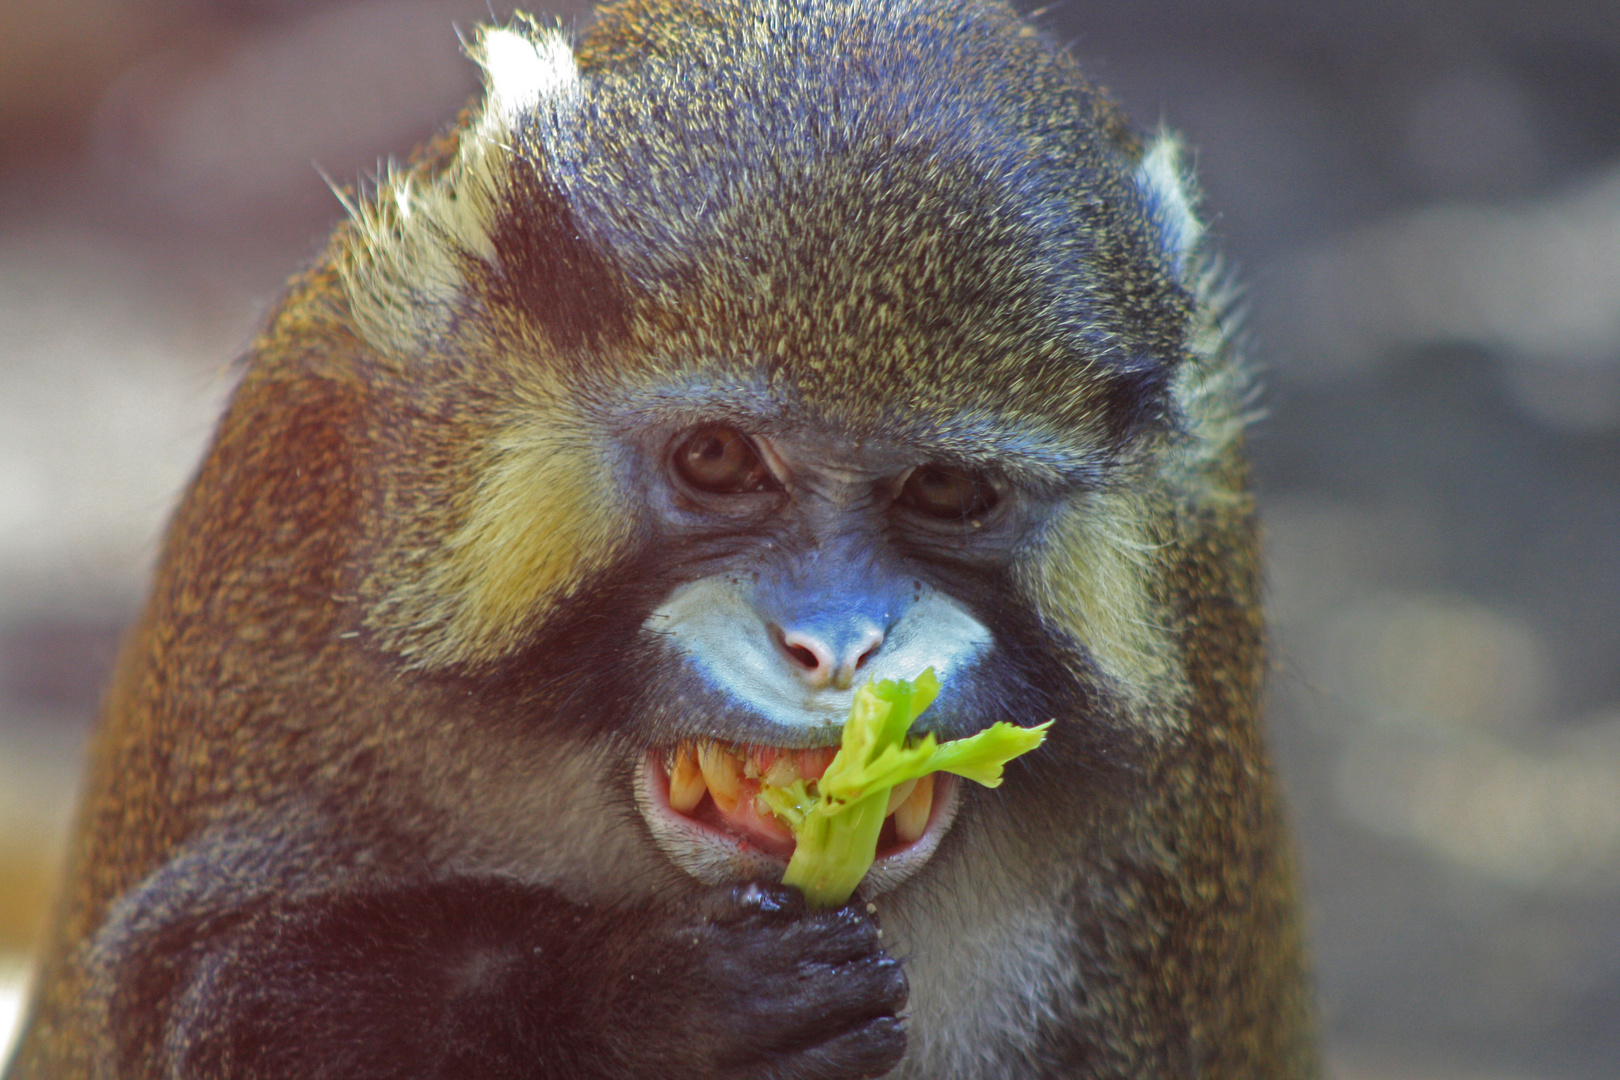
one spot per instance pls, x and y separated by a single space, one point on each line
717 848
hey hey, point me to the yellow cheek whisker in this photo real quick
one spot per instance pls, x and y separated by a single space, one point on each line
537 525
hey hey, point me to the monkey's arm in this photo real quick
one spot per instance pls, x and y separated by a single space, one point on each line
490 979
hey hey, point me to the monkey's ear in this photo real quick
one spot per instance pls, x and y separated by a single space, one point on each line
1170 196
406 263
524 66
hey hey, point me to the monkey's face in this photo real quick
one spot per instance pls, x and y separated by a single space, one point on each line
729 419
742 557
808 562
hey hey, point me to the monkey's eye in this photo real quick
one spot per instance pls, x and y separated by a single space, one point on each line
721 460
941 492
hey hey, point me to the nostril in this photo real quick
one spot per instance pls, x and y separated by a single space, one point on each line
821 662
803 655
806 652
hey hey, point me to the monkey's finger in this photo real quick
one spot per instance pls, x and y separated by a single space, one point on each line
870 1050
808 1004
752 901
835 937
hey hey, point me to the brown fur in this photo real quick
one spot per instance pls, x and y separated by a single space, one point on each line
360 554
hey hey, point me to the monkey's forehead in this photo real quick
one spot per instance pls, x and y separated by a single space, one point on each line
846 198
871 191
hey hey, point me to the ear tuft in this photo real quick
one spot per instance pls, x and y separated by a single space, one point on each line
423 232
521 70
1167 188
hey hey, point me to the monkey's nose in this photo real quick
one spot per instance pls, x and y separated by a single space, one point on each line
822 660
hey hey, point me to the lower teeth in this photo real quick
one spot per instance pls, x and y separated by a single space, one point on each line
728 777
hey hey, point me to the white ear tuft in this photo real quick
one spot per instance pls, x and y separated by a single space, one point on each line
414 237
523 71
1170 199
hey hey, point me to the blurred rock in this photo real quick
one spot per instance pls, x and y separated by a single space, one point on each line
113 373
1472 133
245 128
55 62
13 980
1546 818
246 131
1321 552
1578 396
1452 747
41 753
1346 1069
1427 661
1537 282
52 661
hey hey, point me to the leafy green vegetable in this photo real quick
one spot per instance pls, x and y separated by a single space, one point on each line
836 820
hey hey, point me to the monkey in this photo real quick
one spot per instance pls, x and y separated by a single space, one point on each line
720 358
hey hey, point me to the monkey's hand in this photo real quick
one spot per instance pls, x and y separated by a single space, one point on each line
774 991
488 978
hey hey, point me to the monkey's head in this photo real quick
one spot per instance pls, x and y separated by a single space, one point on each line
717 363
738 353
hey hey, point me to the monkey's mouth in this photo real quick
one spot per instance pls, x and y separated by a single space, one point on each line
701 802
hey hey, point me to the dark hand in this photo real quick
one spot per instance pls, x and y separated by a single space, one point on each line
778 992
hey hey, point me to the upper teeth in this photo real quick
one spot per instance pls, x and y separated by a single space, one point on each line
686 783
911 816
729 774
898 795
723 772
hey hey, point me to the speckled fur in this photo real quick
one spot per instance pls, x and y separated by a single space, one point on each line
917 222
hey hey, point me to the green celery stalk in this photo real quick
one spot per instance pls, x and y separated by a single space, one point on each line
835 826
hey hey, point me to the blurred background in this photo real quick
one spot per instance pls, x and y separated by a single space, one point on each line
1424 199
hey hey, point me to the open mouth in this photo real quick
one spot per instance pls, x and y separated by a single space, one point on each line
701 801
